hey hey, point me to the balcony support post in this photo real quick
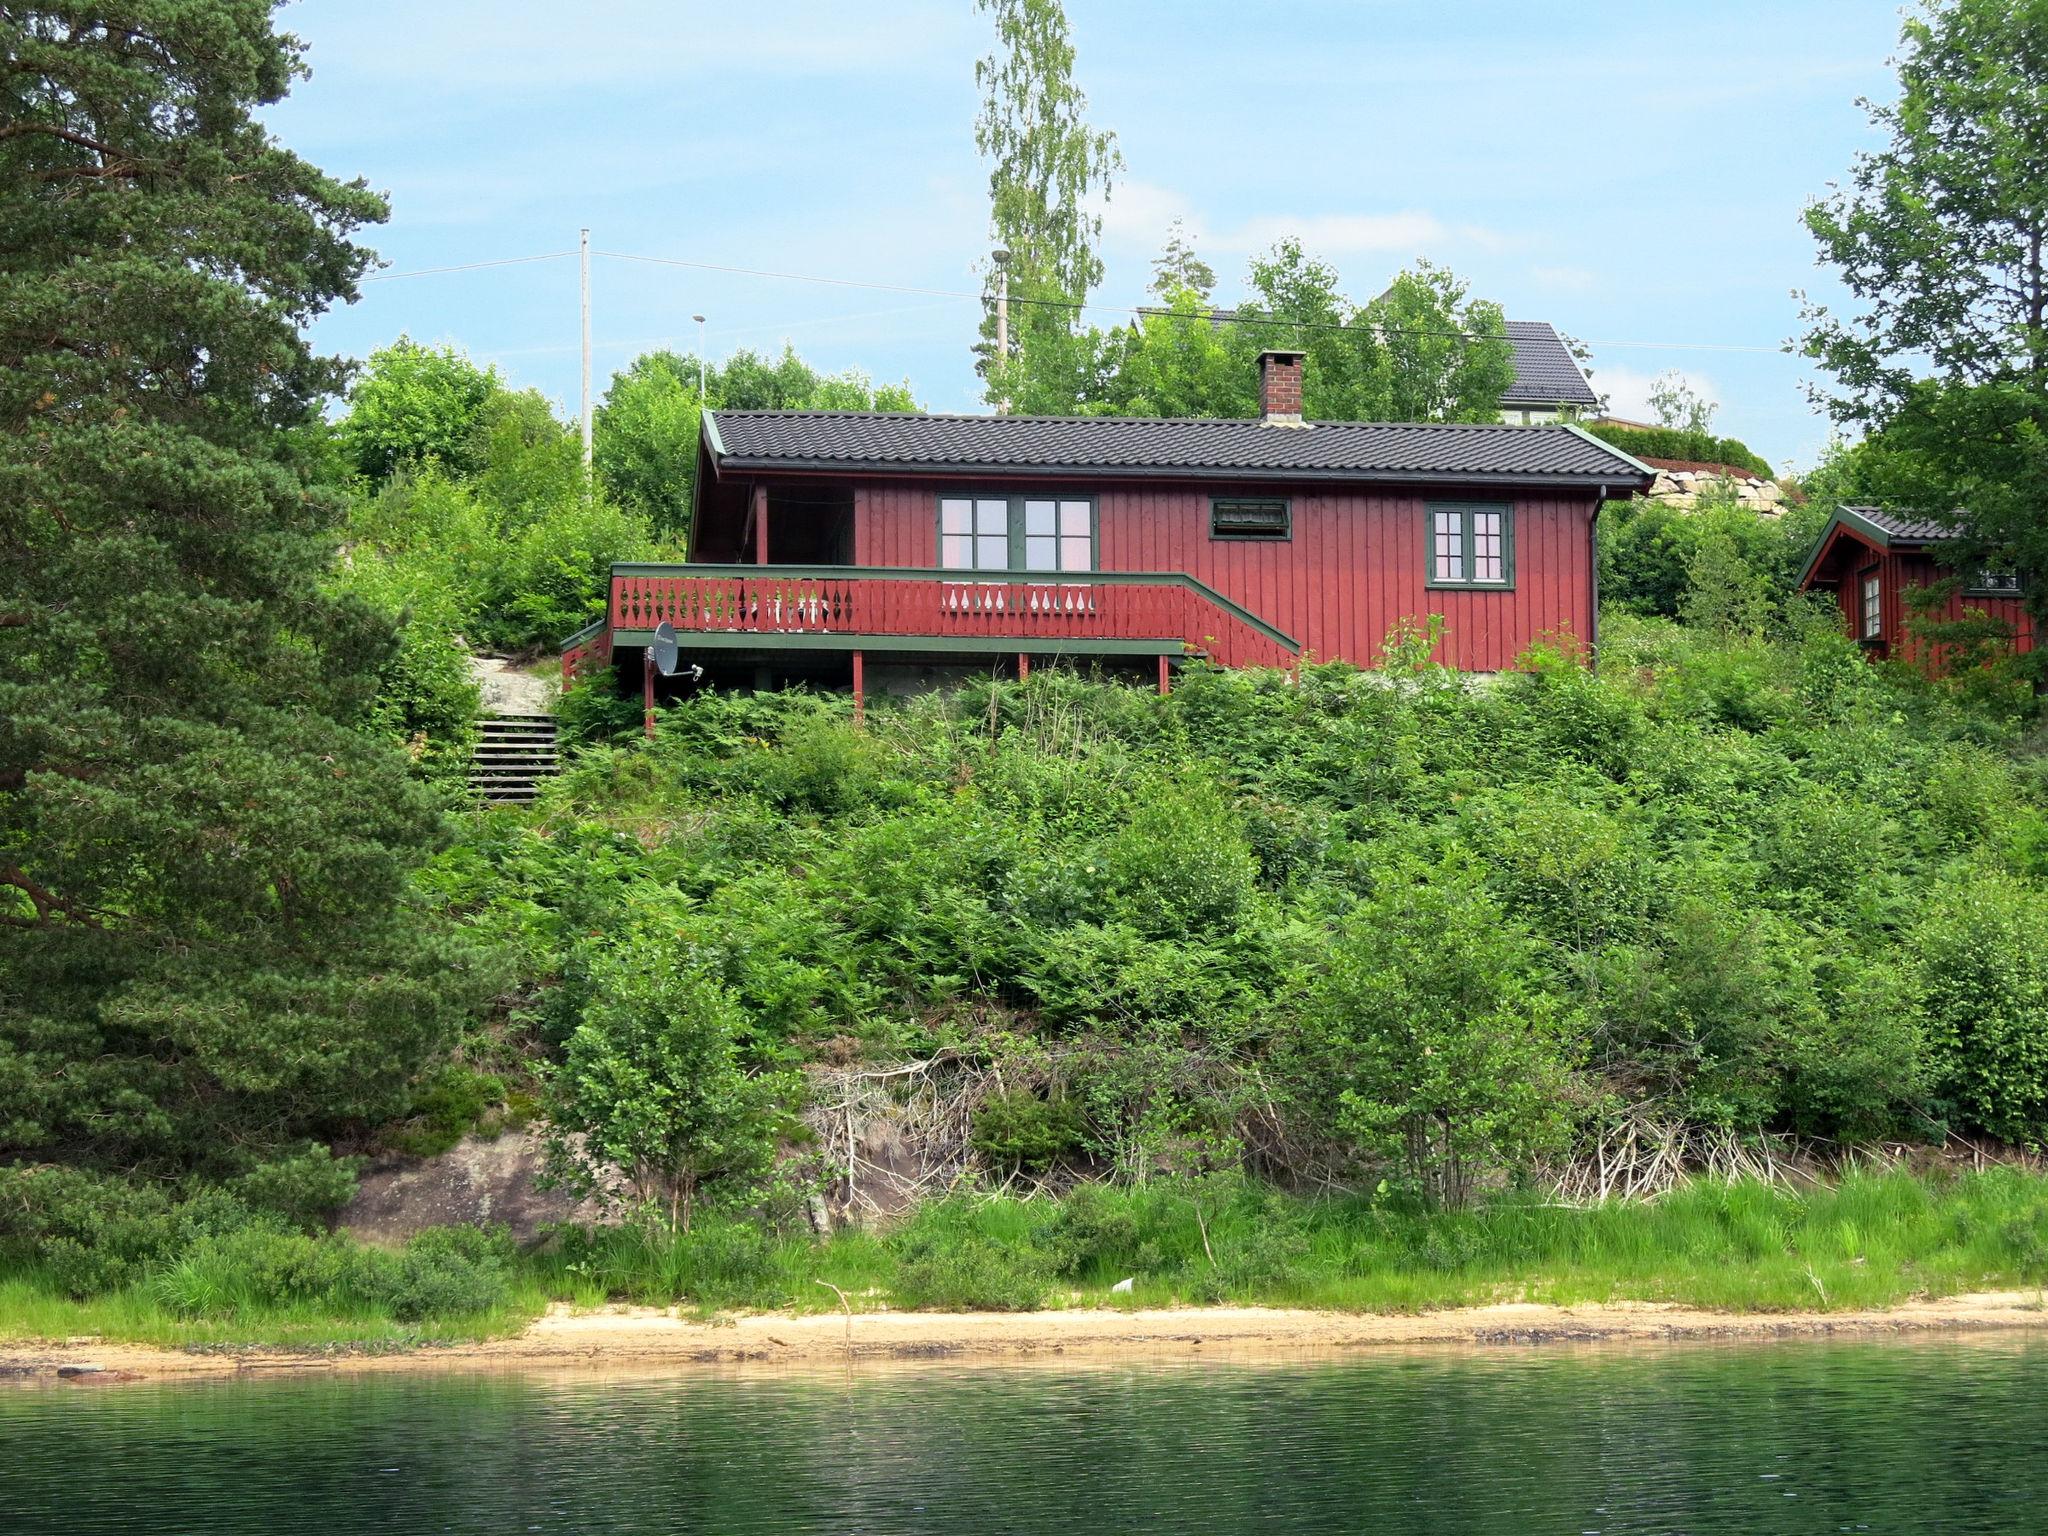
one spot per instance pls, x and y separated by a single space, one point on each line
860 696
1023 666
647 691
1165 676
760 525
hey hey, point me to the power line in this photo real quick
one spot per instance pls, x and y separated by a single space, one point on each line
1068 305
467 266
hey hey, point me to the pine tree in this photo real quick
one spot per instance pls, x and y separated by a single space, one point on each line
206 947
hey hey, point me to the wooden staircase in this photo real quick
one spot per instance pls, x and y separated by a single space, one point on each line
513 755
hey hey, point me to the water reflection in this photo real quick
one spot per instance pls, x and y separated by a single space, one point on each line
1792 1437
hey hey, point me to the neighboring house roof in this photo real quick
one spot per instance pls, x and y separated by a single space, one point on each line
1546 373
1894 529
1887 530
1180 448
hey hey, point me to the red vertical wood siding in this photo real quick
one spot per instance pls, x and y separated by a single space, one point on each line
1897 572
1354 568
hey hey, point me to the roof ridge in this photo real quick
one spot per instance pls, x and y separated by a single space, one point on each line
795 413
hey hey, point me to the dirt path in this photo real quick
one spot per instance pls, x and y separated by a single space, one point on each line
507 690
641 1337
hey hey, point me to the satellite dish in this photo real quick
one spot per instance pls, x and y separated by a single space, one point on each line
665 649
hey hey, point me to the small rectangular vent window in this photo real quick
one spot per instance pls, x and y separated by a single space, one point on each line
1250 518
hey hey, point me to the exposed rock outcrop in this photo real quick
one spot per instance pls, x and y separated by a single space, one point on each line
477 1180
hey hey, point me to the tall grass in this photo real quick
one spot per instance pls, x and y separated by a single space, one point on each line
1873 1240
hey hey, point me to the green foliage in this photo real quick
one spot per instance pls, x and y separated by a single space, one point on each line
416 406
554 575
1720 565
645 433
1697 446
653 1084
1977 971
445 1272
592 711
452 1101
213 956
1047 167
1422 350
1431 1041
1376 926
1868 1241
1937 236
1023 1131
949 1261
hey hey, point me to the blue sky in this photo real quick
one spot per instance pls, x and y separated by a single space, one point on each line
1632 172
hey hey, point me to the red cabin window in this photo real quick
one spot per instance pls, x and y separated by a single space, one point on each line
1471 544
974 533
1873 607
1017 533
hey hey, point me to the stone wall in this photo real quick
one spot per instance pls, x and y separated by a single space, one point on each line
1682 488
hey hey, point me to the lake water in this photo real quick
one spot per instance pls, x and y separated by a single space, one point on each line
1927 1435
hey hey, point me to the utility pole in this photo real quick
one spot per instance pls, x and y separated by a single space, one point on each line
1002 261
585 253
700 359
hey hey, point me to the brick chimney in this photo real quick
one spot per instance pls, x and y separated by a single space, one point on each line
1280 388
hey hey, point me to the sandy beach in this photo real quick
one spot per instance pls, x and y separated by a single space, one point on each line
646 1337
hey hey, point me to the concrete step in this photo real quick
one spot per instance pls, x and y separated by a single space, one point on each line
513 754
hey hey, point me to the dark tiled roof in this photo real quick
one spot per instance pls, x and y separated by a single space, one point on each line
1901 529
1890 530
1546 373
1181 447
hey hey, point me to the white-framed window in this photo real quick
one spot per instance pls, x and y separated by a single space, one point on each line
1987 582
1016 533
1471 544
974 533
1059 534
1872 599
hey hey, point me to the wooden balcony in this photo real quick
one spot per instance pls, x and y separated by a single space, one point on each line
863 608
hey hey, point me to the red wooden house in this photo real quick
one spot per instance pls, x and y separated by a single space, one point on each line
874 548
1873 559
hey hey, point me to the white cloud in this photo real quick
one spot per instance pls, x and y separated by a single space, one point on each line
1139 212
1563 279
1628 389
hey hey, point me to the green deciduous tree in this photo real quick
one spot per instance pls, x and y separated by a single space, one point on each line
415 405
647 425
1942 238
1047 167
653 1085
1981 985
1423 350
1431 1026
209 949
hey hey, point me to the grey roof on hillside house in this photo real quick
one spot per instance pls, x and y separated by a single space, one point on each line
1897 528
1180 448
1885 529
1546 373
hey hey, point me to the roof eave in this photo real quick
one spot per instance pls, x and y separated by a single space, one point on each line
1849 520
922 468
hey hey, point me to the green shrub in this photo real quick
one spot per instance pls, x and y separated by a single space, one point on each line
443 1272
593 712
447 1106
1028 1132
1976 956
1676 443
1430 1040
954 1267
